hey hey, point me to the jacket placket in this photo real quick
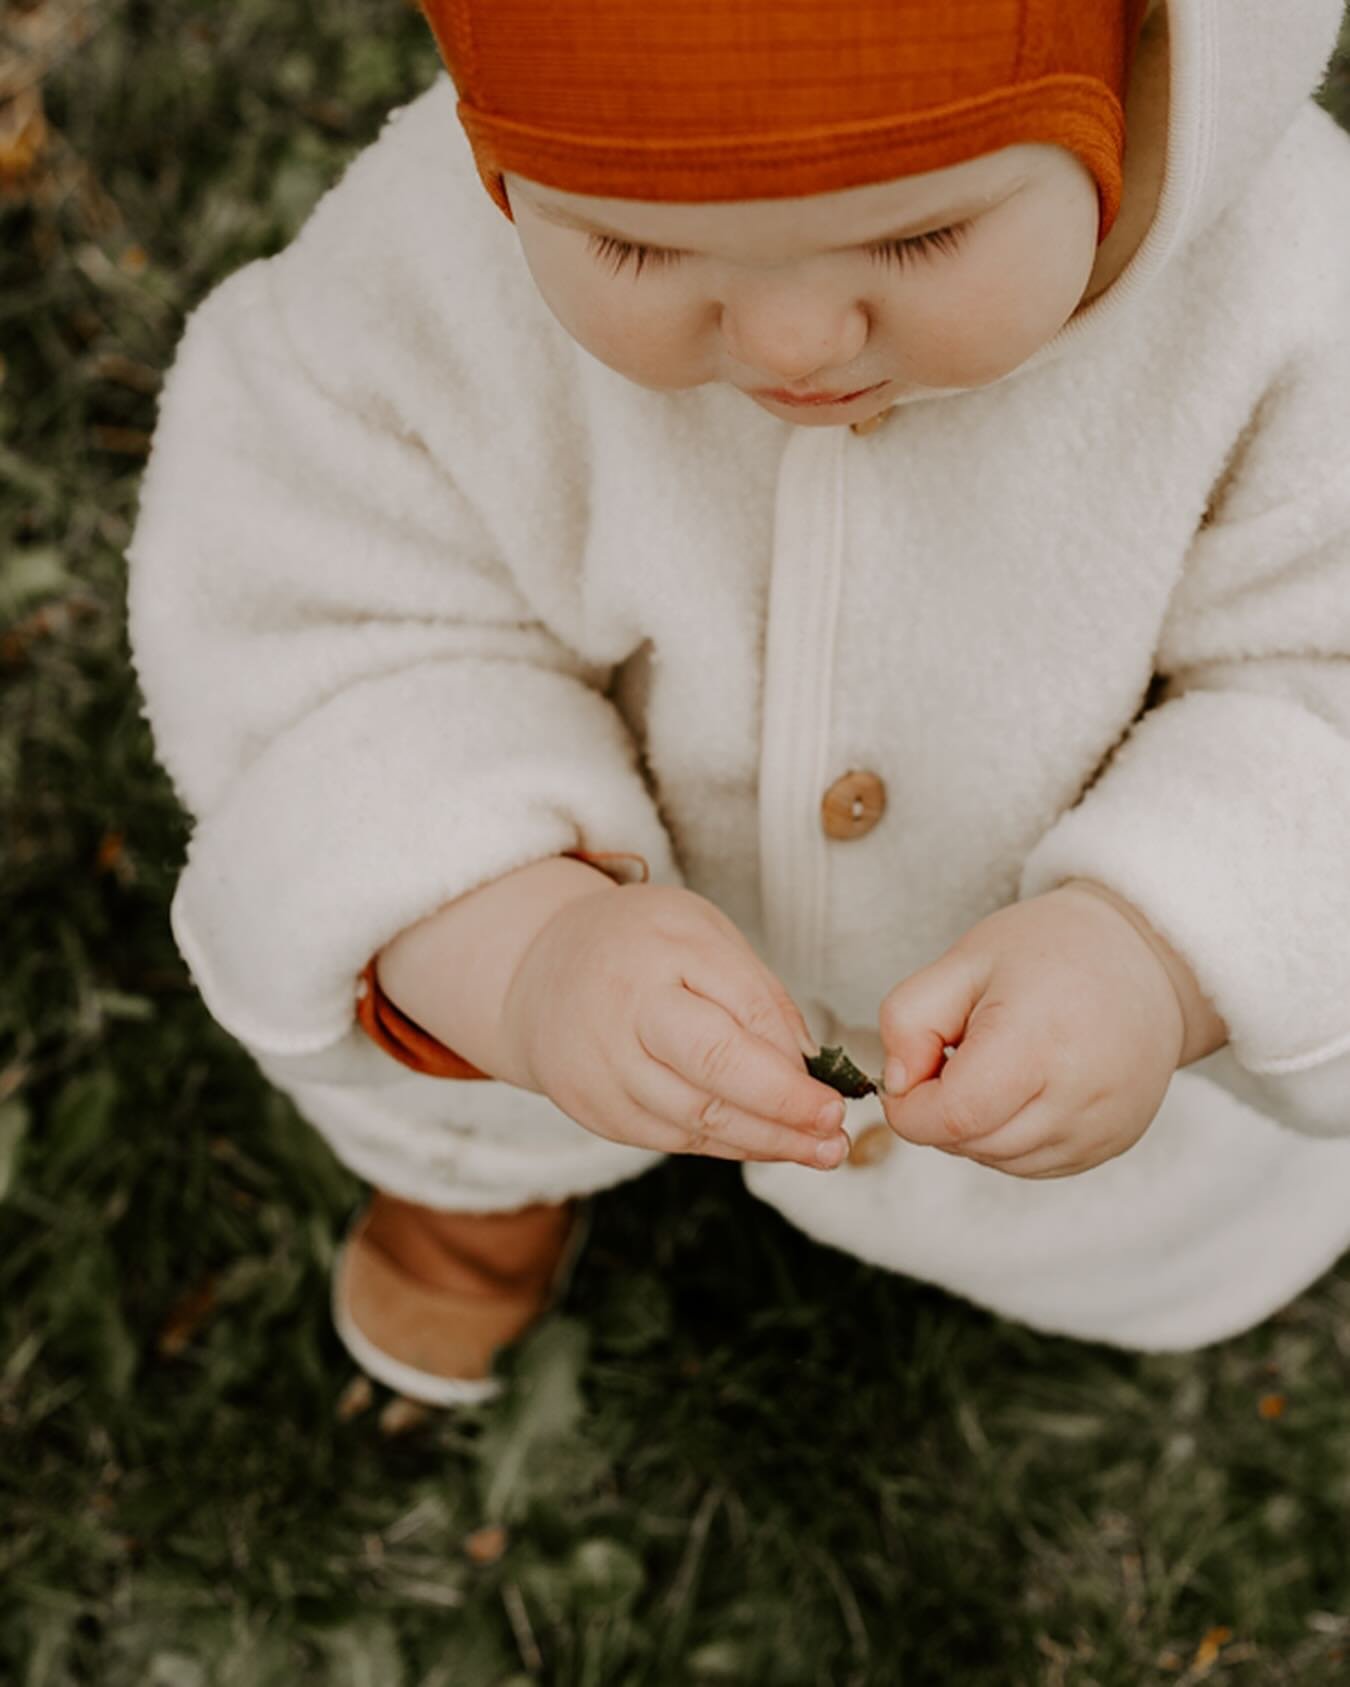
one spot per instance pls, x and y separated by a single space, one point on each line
799 656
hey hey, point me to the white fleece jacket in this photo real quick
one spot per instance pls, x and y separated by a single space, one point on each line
421 592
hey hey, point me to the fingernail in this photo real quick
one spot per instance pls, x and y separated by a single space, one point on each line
808 1045
896 1077
829 1154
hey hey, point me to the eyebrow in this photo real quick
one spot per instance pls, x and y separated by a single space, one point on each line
926 224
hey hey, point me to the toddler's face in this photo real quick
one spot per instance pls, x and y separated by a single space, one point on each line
812 294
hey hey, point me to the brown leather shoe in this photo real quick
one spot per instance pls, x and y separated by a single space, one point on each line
423 1300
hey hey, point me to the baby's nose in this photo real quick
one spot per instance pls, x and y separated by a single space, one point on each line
796 333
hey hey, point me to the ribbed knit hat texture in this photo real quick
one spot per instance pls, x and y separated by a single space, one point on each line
687 100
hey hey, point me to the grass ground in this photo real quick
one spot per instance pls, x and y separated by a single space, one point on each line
740 1458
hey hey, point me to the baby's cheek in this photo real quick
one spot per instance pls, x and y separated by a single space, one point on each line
604 317
651 344
977 330
566 285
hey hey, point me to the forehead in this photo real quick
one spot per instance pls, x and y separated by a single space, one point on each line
820 221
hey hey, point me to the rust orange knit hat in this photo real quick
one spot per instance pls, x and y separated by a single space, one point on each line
683 100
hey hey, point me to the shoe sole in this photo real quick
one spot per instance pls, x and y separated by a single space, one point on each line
424 1386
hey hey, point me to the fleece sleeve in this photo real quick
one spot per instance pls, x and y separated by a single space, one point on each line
1224 814
361 711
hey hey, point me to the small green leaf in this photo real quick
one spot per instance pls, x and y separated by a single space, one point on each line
363 1653
175 1669
542 1409
605 1574
636 1314
117 1004
80 1122
13 1128
833 1067
28 576
720 1660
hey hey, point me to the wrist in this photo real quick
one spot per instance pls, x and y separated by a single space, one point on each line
451 973
1202 1031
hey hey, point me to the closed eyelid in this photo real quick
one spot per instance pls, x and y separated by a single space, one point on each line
900 249
956 226
973 211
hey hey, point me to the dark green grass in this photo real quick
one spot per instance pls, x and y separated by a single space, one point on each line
740 1457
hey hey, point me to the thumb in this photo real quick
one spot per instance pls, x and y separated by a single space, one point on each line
927 1012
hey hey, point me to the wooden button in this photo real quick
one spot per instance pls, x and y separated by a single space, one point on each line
870 424
872 1145
853 805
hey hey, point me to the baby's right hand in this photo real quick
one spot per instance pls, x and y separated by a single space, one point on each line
647 1017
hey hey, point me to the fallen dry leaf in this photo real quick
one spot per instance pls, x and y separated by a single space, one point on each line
486 1545
186 1317
111 848
402 1415
23 138
123 442
1207 1652
357 1397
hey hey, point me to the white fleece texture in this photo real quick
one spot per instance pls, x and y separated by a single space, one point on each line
421 592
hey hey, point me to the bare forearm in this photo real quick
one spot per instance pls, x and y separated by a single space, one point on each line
1205 1031
451 972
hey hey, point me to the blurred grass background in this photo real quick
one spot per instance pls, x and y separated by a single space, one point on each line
738 1457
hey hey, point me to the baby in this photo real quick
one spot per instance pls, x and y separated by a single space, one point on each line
837 547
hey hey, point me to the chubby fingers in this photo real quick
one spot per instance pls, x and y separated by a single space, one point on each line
719 1082
992 1073
734 1136
987 1082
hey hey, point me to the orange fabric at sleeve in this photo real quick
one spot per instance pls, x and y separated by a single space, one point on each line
405 1041
403 1038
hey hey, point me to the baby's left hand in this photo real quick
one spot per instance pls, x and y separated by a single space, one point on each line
1067 1029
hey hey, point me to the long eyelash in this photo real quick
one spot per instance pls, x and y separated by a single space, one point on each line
606 246
899 252
946 240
